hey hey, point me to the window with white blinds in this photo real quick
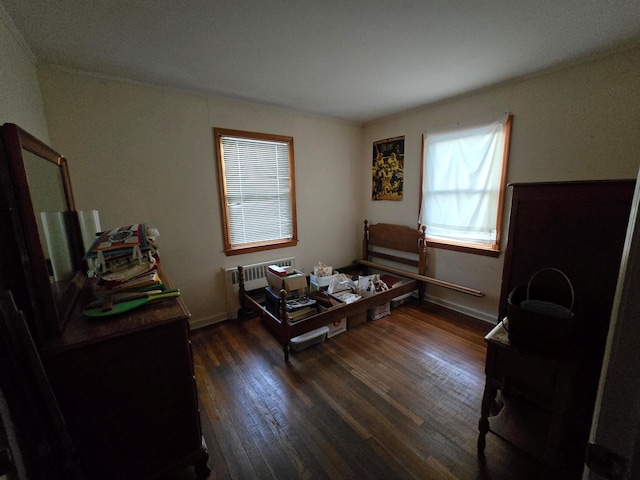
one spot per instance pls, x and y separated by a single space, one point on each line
257 191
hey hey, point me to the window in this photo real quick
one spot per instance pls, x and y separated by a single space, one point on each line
463 183
257 191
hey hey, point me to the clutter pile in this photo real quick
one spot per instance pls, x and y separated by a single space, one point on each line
125 260
125 257
299 305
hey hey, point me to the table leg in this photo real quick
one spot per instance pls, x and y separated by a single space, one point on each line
488 405
201 466
202 470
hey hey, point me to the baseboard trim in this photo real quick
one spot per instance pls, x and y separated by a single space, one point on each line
459 309
206 321
437 305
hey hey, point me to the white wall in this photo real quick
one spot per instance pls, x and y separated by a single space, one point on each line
20 98
145 154
579 123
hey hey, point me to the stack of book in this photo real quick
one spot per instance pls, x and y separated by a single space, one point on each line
280 271
126 257
300 308
137 282
297 315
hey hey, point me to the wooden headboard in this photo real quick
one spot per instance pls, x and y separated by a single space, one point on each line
400 238
395 237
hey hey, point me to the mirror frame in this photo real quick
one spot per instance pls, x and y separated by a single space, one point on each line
51 313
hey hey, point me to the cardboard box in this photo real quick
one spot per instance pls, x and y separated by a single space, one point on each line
337 327
293 283
379 311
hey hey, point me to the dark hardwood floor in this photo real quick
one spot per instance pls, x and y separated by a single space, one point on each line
397 397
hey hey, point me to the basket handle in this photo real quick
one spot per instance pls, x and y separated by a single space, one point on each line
573 297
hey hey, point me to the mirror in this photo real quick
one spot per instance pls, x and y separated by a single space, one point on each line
49 207
46 227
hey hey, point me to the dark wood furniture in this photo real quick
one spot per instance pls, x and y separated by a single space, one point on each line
406 240
534 409
579 228
396 244
124 384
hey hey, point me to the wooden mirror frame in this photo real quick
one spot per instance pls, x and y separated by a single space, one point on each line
50 312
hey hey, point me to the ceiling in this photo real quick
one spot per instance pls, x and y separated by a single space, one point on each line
356 60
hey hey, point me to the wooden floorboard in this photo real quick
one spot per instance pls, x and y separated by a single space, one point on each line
394 398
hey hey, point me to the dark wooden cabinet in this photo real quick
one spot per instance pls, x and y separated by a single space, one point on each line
126 387
579 228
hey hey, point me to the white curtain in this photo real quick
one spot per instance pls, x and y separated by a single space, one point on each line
461 182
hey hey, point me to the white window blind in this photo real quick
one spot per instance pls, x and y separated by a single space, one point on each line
257 179
462 183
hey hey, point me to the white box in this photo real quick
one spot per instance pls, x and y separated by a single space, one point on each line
318 283
337 327
322 270
379 311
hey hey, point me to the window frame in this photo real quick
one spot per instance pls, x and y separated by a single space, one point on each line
229 248
492 250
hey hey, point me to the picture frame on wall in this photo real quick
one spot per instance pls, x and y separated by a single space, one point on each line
388 169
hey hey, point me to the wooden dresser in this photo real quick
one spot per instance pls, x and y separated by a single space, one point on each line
126 387
125 383
579 228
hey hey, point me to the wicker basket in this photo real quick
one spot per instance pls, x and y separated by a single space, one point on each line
541 316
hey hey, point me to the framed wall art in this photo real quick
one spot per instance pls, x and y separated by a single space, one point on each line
388 169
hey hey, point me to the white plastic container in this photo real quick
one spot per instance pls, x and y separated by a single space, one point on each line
305 340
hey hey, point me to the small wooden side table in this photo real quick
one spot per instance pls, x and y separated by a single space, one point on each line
536 388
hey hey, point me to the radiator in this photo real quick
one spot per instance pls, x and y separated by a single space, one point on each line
255 276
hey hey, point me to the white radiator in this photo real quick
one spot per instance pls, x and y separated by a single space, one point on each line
255 276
